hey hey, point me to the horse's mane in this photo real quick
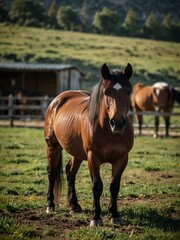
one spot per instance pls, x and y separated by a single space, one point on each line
94 102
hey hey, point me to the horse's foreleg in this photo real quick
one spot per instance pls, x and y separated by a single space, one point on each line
167 124
97 188
117 170
114 190
156 122
71 171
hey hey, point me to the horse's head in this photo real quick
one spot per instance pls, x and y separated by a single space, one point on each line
161 95
117 89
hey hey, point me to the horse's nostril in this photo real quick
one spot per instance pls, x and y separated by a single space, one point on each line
124 121
117 126
112 122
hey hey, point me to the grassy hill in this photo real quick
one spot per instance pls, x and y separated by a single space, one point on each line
151 60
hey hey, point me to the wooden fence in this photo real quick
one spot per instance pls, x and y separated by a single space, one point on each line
14 108
34 108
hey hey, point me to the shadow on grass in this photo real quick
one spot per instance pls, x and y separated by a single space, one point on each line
151 218
144 217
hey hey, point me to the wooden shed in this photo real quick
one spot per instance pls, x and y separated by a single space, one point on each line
45 79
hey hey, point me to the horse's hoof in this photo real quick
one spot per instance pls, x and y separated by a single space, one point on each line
50 209
76 209
117 220
96 223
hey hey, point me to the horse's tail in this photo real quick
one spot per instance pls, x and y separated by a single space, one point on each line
58 184
175 95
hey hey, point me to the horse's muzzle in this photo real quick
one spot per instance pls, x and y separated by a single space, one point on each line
117 126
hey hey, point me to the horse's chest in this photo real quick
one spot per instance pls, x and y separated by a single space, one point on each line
111 147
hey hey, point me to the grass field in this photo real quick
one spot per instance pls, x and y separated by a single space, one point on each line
148 200
152 61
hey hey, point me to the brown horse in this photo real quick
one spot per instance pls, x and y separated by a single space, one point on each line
158 97
25 98
94 127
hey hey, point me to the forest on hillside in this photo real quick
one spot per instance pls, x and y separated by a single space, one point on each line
139 18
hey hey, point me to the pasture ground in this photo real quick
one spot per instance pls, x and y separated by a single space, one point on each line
148 200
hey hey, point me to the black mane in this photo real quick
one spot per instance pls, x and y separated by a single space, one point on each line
94 102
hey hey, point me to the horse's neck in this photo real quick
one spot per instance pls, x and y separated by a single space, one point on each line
103 117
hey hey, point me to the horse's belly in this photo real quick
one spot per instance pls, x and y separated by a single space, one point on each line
70 139
73 147
144 103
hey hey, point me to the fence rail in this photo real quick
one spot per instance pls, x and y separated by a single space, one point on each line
34 108
14 108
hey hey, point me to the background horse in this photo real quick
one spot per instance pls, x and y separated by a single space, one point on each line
93 127
158 97
24 99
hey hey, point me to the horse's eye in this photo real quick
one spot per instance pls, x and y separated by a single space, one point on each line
107 92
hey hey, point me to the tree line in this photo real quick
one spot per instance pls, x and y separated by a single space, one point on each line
105 21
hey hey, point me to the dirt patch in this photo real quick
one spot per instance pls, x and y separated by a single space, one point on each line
61 225
40 221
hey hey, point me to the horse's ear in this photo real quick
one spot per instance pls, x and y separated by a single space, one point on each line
128 71
105 71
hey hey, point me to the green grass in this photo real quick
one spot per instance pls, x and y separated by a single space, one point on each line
9 225
152 61
148 200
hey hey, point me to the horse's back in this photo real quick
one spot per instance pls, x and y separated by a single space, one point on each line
151 98
142 97
66 120
62 100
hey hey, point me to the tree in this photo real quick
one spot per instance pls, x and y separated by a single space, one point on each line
176 32
67 18
84 15
52 13
152 26
106 21
167 21
166 28
130 23
3 11
170 30
27 12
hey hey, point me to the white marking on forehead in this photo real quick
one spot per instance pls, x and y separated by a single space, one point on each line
157 91
117 86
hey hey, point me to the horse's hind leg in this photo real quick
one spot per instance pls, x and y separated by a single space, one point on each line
139 120
71 171
54 155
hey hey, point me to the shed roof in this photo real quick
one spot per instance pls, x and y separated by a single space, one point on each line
36 67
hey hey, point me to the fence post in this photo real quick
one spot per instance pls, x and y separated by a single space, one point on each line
10 107
44 105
